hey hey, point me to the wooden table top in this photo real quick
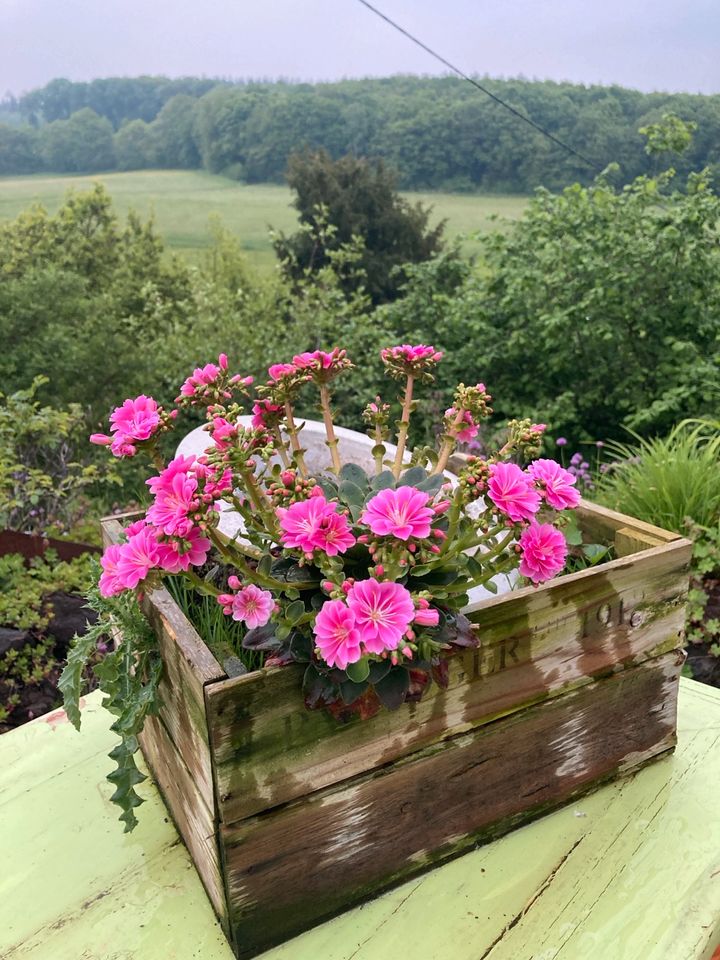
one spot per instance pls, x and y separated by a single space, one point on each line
631 872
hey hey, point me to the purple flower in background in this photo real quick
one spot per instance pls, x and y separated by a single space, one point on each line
561 441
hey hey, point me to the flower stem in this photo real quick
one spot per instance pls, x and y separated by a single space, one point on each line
295 439
332 441
449 442
404 426
202 586
280 446
380 455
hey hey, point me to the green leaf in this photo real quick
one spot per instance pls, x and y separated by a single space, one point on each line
70 683
359 671
354 474
294 611
383 481
351 493
265 565
413 477
432 484
391 689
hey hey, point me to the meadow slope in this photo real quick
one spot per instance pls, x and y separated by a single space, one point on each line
183 201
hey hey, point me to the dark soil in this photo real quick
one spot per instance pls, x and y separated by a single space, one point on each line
70 616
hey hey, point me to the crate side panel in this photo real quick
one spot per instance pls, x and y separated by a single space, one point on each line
294 867
534 644
194 820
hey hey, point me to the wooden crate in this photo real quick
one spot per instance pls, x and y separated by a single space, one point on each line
292 817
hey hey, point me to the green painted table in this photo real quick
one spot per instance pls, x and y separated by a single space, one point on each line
629 873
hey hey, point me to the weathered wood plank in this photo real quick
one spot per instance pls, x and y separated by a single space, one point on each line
290 869
534 644
599 524
187 805
629 541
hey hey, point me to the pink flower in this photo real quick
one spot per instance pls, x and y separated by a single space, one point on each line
336 636
463 433
211 382
383 611
200 377
556 484
512 492
427 617
321 365
409 354
334 535
401 513
137 558
223 432
314 524
135 527
252 606
136 421
543 552
280 370
175 491
109 583
264 413
181 553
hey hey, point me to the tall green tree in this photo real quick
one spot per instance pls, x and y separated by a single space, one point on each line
340 200
81 144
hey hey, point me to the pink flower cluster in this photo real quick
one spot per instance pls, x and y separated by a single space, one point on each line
519 494
211 383
135 422
374 619
405 353
556 485
127 565
512 492
185 491
315 524
321 365
249 605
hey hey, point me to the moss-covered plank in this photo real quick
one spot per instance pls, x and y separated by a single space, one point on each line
293 867
533 644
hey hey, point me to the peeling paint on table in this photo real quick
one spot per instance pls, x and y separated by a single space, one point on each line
630 872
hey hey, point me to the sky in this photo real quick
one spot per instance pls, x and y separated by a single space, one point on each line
667 45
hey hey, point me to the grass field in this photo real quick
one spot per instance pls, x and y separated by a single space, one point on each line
183 201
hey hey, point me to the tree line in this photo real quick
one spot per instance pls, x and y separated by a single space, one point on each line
437 132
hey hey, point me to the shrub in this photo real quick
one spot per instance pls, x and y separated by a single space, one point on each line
667 480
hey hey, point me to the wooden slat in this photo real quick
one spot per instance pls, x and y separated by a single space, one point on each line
629 541
185 801
292 868
534 644
599 525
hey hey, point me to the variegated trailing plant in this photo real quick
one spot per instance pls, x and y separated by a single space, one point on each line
361 577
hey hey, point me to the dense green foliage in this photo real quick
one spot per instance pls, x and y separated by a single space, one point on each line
598 310
45 479
338 200
439 133
674 482
667 480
